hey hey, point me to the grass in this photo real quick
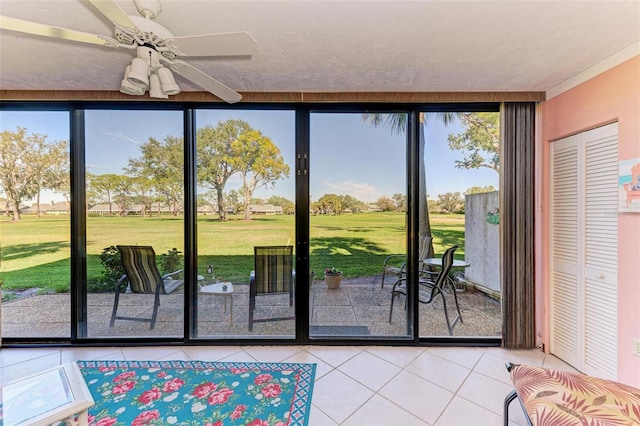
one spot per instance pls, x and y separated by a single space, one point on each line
36 251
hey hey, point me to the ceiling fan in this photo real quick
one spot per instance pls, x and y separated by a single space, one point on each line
157 50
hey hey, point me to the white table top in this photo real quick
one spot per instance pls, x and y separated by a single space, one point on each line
217 288
437 261
44 398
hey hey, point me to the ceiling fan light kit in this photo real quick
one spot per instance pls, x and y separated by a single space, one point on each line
155 47
147 73
129 88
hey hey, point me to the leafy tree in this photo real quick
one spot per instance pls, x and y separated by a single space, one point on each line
451 202
479 190
123 190
480 141
232 200
386 204
352 203
397 123
329 203
259 163
400 201
141 189
51 166
288 207
28 164
162 163
216 156
105 187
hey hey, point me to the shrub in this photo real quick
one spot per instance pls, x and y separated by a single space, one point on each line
170 261
113 270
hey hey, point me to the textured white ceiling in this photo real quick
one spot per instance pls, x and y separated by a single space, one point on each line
330 46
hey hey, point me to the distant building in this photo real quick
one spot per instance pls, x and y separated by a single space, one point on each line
266 209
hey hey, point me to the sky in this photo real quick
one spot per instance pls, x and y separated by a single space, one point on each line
347 155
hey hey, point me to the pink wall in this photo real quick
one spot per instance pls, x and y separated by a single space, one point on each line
611 96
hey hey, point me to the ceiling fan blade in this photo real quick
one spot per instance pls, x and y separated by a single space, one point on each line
111 10
15 24
223 44
206 82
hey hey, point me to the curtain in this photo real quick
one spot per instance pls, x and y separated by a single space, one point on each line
517 221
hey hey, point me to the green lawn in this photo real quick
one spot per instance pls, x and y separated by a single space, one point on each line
35 252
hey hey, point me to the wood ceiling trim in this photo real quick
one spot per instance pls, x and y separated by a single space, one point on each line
281 97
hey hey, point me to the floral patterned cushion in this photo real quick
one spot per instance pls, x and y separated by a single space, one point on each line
558 398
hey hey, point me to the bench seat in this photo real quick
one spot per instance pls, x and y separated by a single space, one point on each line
553 397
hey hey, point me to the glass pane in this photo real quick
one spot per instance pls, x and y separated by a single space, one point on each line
134 174
358 219
35 239
246 196
461 153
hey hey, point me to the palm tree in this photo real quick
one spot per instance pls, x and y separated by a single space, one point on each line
397 123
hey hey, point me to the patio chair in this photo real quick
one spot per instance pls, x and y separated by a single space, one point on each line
429 290
141 275
388 267
273 274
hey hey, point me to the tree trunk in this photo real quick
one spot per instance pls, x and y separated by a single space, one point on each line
222 211
38 203
247 200
424 225
16 210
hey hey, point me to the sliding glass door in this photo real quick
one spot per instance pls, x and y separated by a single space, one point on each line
460 176
245 224
35 242
135 202
358 223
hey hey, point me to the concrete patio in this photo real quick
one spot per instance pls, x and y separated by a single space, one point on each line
358 302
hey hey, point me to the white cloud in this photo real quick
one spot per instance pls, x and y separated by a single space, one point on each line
124 138
359 190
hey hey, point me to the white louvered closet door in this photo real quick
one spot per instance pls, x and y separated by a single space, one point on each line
584 235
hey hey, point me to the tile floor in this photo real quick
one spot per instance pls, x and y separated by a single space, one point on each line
379 385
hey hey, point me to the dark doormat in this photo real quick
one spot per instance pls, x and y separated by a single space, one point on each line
338 330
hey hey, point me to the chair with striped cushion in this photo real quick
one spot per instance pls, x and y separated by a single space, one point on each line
141 275
273 274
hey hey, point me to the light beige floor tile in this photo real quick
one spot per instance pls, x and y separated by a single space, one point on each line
241 356
90 354
176 356
335 355
303 356
379 411
555 363
400 356
318 418
17 371
211 353
530 356
420 397
461 412
439 371
466 357
493 366
145 353
368 369
10 356
339 396
485 391
271 353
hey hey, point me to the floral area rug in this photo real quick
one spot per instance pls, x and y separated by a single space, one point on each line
198 393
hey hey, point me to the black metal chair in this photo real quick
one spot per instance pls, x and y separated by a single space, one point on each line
141 275
273 274
389 266
429 290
